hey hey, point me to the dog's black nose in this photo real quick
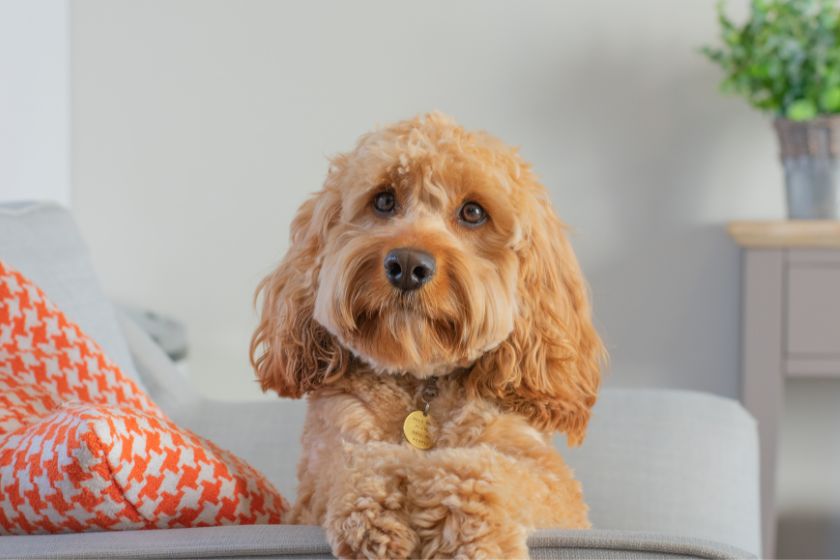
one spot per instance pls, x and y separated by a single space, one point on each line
408 269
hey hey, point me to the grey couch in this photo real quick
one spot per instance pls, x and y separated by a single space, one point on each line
668 474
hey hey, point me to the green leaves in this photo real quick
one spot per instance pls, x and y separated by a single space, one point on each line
801 110
830 100
785 58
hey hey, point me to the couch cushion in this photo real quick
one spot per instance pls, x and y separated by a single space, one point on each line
82 448
42 241
302 541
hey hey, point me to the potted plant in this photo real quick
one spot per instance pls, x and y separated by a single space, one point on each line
785 60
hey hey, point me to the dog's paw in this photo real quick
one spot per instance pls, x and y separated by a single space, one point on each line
457 515
503 542
371 531
471 535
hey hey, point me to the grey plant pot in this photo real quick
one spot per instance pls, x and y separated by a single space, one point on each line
810 154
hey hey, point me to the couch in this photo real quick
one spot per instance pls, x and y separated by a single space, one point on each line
667 474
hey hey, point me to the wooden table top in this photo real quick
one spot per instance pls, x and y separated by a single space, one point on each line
786 233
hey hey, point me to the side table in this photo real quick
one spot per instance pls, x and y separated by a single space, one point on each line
790 326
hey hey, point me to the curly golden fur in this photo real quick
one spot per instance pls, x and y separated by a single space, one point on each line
504 324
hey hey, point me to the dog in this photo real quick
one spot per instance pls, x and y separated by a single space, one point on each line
432 310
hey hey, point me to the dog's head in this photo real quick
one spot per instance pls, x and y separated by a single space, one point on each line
431 249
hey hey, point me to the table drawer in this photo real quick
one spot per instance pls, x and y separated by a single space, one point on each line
813 310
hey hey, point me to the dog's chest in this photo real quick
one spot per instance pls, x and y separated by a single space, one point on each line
453 420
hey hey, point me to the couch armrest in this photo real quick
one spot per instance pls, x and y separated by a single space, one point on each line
674 462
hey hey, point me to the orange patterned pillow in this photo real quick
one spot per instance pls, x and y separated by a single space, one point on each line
82 448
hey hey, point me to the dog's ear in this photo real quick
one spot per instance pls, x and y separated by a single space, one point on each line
292 353
548 369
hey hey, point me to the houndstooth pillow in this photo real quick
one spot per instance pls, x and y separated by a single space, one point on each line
82 448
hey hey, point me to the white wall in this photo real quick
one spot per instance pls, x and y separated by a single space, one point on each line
34 100
200 125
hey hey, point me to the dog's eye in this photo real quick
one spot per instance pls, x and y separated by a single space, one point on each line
472 214
385 202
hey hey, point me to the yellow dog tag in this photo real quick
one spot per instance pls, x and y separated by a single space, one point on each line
416 430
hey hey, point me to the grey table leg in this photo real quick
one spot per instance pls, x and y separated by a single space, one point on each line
763 377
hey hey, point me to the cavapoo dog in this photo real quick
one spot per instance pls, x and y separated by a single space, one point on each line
431 308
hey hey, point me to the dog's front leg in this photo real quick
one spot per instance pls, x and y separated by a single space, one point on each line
458 503
366 512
